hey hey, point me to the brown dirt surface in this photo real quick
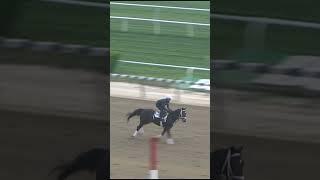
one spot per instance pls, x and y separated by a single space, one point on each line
189 157
280 135
32 144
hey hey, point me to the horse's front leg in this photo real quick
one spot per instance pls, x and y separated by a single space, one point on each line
169 139
163 132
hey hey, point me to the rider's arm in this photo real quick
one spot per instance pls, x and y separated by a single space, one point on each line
169 107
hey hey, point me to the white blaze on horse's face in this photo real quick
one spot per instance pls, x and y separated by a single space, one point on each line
183 115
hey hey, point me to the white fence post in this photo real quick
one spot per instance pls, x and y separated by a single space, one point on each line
190 30
124 25
189 72
142 91
156 25
177 94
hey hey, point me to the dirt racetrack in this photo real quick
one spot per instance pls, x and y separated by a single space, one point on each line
266 159
189 157
266 115
32 144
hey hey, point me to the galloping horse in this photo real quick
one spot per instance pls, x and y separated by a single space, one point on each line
149 116
227 164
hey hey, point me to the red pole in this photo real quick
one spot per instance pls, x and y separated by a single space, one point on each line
153 158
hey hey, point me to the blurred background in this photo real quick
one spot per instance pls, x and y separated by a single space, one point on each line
160 48
45 118
53 83
266 85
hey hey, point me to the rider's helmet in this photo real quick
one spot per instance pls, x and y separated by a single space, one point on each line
168 97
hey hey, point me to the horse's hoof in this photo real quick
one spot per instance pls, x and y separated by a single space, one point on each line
170 141
135 134
158 136
141 131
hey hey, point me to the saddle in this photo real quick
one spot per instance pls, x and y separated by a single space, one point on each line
156 116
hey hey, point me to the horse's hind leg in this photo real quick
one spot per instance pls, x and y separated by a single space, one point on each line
137 130
141 131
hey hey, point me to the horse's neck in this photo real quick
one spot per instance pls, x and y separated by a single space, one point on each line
220 156
174 115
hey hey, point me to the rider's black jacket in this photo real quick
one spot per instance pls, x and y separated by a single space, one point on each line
164 103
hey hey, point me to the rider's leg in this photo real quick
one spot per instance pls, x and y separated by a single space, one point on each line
162 113
165 112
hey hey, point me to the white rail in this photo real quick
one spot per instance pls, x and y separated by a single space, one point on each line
158 20
157 6
217 16
268 21
164 65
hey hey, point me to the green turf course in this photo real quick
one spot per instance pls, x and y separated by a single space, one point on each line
44 21
172 46
306 10
228 36
280 41
164 13
88 25
62 23
229 40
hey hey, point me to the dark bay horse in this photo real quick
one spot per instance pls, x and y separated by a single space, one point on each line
147 116
227 164
95 161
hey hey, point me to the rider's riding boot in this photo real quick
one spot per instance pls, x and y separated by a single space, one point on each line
162 115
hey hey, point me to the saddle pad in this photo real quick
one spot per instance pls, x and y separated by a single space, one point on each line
157 114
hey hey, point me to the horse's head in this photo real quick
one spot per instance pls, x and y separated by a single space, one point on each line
183 115
232 165
236 163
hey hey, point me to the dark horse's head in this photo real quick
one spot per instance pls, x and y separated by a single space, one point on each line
228 164
182 114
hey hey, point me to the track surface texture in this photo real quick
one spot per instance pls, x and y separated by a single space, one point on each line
187 158
34 144
255 115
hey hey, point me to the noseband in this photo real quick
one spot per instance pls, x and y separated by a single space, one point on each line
227 166
181 113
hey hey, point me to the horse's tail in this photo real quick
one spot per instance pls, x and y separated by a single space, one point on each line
136 112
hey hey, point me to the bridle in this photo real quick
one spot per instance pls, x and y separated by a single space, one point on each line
181 117
227 166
